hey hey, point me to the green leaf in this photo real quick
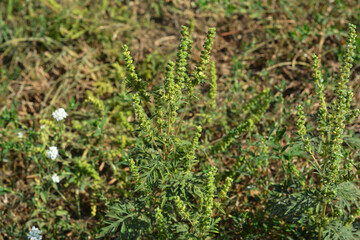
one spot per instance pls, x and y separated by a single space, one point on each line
4 190
61 213
43 197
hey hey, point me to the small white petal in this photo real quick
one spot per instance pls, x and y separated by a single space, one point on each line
59 114
55 178
52 153
34 234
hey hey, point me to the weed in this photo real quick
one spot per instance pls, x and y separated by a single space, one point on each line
326 199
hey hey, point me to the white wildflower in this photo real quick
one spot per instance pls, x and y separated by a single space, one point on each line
42 126
59 114
34 234
20 134
55 178
52 153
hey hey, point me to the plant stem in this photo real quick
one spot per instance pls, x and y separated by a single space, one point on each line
157 148
78 202
168 133
322 217
178 128
182 118
322 185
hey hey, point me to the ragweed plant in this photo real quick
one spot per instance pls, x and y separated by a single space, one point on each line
171 200
326 199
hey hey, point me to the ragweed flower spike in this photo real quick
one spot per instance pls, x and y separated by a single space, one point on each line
145 124
198 74
182 208
300 124
134 171
97 103
160 222
52 153
261 103
341 106
323 126
190 155
34 234
226 188
209 198
59 114
169 84
132 80
184 50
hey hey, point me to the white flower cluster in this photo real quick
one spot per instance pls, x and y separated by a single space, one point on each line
52 153
59 114
34 234
20 134
55 178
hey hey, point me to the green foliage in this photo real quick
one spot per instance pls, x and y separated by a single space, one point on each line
77 166
170 194
253 117
327 198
